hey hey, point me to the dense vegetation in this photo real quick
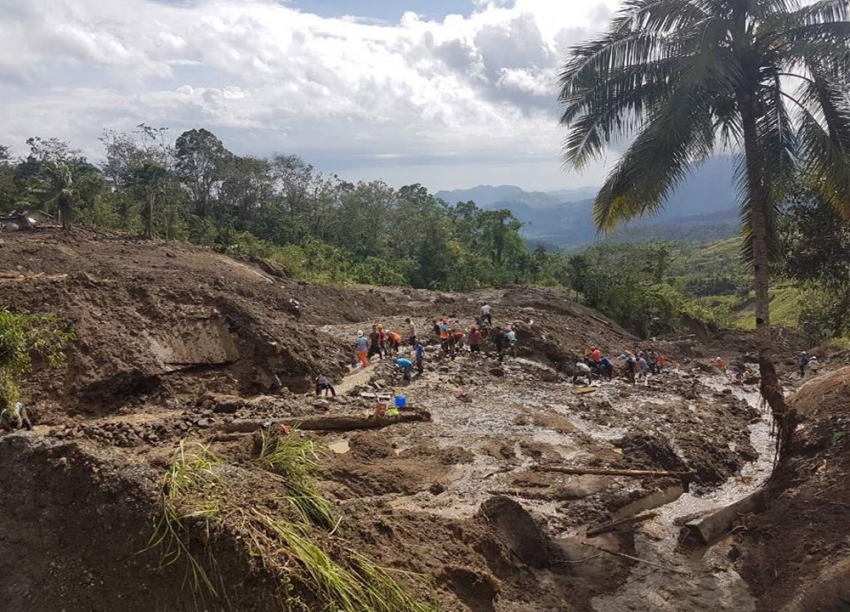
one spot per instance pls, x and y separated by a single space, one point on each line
313 225
319 227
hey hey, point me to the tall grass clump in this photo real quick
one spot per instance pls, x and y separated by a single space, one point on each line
296 461
192 491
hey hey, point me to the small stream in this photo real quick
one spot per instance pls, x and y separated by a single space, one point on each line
710 583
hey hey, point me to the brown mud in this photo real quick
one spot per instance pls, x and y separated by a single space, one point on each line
174 341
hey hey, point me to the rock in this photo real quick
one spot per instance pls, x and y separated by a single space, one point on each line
204 423
437 488
518 530
499 372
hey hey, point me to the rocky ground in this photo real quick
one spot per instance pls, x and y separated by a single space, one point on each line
175 344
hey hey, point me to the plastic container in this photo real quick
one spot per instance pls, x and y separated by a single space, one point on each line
400 401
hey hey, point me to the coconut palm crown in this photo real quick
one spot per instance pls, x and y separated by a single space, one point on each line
682 79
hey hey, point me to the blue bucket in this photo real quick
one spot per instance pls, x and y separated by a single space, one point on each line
400 401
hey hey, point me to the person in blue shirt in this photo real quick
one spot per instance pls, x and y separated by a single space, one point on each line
607 367
361 347
419 350
406 366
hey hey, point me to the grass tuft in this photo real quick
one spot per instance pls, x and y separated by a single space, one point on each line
188 494
296 461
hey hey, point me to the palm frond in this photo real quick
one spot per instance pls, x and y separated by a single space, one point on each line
824 135
680 134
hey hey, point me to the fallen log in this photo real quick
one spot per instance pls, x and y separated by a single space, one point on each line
581 470
612 526
330 423
714 526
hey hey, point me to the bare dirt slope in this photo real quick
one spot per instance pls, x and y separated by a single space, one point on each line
176 343
796 553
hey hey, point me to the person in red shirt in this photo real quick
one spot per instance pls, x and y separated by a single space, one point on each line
474 341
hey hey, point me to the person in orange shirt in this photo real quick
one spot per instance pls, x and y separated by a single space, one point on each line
720 363
393 342
457 342
595 354
662 361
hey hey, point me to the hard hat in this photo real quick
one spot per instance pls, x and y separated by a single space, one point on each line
359 333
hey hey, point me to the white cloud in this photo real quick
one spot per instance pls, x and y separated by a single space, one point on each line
434 95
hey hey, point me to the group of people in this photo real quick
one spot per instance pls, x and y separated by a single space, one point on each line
383 342
640 364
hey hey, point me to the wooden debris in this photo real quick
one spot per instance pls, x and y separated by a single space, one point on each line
717 524
638 559
614 525
331 423
581 470
583 390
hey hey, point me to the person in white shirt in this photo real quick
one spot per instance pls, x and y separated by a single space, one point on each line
485 314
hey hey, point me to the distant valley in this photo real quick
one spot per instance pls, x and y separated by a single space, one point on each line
703 209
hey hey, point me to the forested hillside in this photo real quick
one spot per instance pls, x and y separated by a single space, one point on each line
319 227
313 225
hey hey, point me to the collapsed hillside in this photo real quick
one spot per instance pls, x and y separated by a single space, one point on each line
178 348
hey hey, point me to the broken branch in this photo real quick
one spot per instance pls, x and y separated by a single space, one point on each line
638 559
607 472
337 423
592 533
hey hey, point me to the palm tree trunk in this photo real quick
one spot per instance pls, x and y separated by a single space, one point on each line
771 389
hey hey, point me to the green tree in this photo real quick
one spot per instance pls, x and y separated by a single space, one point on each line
9 193
815 242
200 159
60 178
690 76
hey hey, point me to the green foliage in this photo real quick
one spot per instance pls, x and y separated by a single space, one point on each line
682 80
824 314
23 337
295 460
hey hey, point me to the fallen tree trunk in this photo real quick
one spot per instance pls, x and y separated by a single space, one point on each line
607 472
712 527
632 520
333 423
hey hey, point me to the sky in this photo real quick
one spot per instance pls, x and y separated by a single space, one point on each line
446 93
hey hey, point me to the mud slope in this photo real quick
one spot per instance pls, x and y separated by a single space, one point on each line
159 321
796 555
75 526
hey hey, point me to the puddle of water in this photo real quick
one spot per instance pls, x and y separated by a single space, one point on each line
340 447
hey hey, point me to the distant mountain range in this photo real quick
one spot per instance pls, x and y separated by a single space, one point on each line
703 208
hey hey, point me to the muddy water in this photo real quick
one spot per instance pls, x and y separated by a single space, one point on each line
498 426
709 582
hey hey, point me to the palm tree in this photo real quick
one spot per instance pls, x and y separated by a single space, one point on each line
764 79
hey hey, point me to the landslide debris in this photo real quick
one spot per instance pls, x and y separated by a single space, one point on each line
176 342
